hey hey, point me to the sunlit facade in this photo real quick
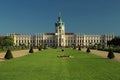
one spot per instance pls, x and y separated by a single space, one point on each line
60 38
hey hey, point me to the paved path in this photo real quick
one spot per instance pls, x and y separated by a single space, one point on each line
16 54
104 54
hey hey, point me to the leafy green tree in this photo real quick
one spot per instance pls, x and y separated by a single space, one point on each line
115 41
40 47
6 41
8 54
74 46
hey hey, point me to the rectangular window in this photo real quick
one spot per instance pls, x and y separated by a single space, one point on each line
65 40
74 41
22 41
28 41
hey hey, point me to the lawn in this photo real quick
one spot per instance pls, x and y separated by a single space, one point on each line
45 65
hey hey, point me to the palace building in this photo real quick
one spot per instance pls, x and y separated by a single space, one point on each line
60 38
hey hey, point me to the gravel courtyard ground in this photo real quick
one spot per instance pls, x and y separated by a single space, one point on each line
16 54
104 54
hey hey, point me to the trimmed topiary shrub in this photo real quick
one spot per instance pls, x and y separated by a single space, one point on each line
110 54
8 54
79 48
62 50
40 48
88 50
31 50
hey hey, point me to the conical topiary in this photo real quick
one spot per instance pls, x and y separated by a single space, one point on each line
110 54
62 50
31 50
40 48
88 50
8 54
79 48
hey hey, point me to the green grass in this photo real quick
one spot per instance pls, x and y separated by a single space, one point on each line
45 65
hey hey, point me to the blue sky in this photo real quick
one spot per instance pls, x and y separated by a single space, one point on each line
80 16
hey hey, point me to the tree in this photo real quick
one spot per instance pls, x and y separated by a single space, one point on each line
88 50
23 46
6 41
115 41
74 46
31 50
1 42
8 54
110 54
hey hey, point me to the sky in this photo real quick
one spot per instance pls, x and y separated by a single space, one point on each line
79 16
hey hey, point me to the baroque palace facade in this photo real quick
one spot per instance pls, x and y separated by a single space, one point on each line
60 38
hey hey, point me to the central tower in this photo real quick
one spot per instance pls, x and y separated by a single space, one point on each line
59 32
